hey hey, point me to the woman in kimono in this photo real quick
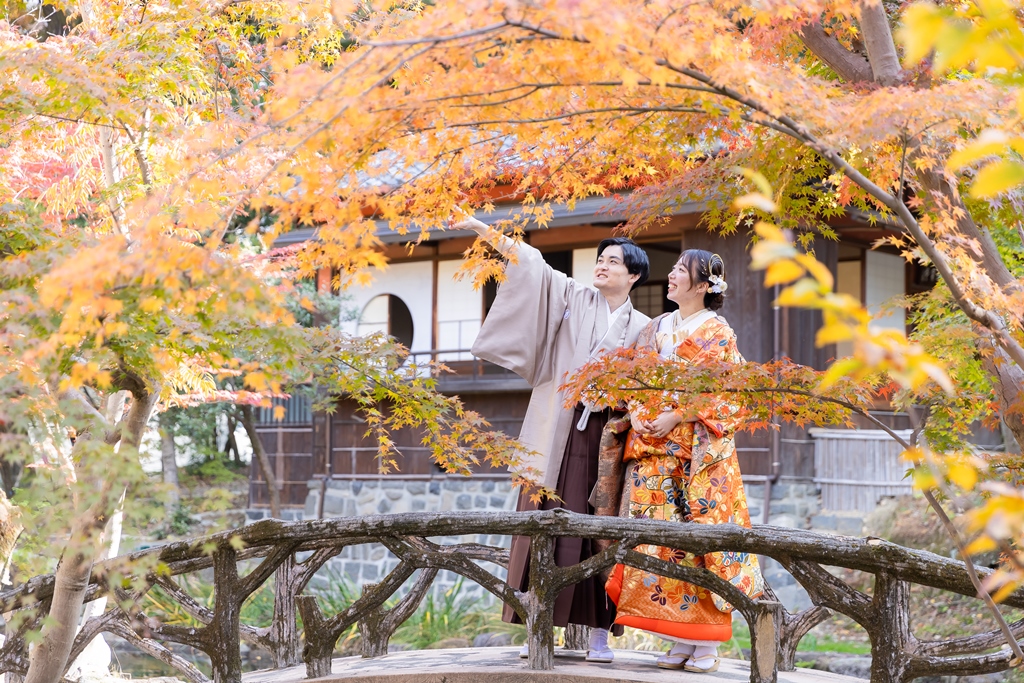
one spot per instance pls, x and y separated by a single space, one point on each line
681 466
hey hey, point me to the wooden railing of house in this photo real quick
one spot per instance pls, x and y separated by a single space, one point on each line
775 633
463 366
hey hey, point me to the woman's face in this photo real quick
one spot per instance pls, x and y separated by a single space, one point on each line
681 289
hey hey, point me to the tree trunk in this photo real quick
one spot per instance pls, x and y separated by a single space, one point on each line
95 658
1009 381
576 637
249 422
112 176
169 467
49 660
1007 375
114 411
230 444
874 24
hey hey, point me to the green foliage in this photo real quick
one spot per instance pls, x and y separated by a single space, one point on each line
216 471
312 307
455 615
216 499
180 521
257 610
945 333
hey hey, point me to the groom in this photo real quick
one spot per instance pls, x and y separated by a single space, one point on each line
544 325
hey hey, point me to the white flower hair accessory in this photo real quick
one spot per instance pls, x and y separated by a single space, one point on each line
718 283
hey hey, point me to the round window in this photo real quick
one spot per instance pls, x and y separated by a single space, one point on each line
388 314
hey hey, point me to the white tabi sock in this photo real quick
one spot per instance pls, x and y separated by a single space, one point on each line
598 639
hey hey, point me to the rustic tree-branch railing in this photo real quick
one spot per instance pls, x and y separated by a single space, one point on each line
775 634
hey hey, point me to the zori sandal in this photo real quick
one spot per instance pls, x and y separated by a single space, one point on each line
691 664
604 656
671 661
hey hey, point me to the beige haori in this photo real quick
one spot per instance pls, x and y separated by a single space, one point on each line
542 326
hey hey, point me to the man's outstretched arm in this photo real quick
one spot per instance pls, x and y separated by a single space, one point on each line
501 242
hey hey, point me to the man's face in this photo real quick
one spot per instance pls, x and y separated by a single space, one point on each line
610 274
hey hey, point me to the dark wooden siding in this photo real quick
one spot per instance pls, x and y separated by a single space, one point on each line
290 449
352 453
748 308
748 305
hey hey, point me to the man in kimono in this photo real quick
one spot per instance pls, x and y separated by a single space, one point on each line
544 325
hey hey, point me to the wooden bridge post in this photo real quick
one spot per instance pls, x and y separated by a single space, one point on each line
765 627
284 631
539 602
577 637
223 633
320 641
892 642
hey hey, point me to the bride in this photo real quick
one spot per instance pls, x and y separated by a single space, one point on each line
681 466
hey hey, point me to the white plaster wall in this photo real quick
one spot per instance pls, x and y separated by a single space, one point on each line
459 310
374 317
410 282
884 278
583 261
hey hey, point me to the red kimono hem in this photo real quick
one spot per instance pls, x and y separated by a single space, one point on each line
714 632
674 629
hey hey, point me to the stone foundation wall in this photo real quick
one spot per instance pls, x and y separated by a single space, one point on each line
794 504
371 562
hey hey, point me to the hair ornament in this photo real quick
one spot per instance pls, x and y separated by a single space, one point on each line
718 283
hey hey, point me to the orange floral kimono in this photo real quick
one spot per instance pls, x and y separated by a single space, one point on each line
692 475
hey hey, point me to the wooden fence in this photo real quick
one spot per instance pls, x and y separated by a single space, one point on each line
857 467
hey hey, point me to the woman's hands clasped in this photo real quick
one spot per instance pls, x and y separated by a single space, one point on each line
659 427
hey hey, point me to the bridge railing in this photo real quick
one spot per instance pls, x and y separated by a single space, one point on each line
897 655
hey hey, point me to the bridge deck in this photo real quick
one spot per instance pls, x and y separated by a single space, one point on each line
503 665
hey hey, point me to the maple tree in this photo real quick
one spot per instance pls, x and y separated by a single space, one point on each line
151 150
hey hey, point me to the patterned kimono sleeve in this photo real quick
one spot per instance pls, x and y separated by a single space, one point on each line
721 416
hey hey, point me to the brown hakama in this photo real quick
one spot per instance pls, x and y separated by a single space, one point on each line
585 603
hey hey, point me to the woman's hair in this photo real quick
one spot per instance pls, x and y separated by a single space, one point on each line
703 266
633 257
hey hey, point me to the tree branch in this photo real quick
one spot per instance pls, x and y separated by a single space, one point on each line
423 553
828 591
975 643
437 40
123 629
199 612
851 67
